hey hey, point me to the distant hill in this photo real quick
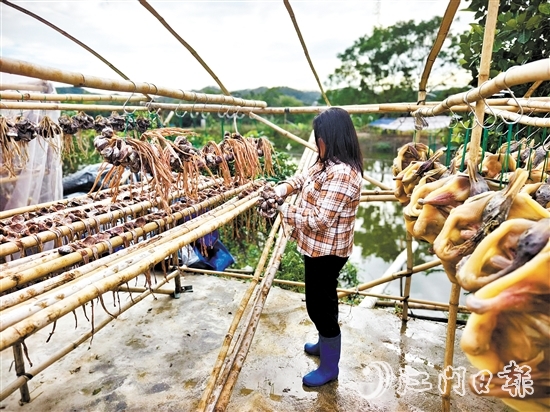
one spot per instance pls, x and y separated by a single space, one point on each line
309 98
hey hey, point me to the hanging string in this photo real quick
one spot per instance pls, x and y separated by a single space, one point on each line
466 141
505 163
128 119
448 154
483 147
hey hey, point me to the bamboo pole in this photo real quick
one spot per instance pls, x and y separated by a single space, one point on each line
67 35
9 105
76 280
444 306
424 306
24 86
450 346
484 69
91 222
376 192
32 372
304 47
351 109
23 68
20 210
232 110
238 316
19 361
410 263
146 261
530 72
141 290
448 18
389 278
378 198
226 390
377 183
44 97
530 104
75 276
185 44
283 132
517 118
532 89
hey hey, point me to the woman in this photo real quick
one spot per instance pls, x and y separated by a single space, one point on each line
323 224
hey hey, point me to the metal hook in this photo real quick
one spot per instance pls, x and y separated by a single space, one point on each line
223 115
513 97
472 111
128 99
237 113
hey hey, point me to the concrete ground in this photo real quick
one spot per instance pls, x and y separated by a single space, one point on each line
158 356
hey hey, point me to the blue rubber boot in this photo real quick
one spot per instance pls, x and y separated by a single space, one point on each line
330 356
312 348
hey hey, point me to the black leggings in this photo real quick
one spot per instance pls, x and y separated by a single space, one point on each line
321 299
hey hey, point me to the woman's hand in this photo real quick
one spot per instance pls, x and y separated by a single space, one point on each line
269 201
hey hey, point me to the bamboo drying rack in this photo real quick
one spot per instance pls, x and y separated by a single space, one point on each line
226 370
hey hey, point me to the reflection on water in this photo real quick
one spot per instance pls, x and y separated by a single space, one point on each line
380 237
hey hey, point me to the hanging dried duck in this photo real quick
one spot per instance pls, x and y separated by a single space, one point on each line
510 274
469 223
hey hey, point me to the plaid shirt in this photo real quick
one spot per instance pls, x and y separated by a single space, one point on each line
324 219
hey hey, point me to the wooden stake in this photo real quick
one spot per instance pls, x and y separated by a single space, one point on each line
450 346
407 292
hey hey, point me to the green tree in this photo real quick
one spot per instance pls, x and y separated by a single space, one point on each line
386 66
522 36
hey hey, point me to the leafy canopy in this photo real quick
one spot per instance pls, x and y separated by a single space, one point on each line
387 65
522 36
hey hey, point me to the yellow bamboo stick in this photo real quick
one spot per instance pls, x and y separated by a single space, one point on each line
35 370
389 278
238 316
45 97
187 45
148 260
378 198
304 47
67 35
448 18
530 72
110 260
283 132
23 68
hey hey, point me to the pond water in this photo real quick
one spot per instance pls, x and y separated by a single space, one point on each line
380 237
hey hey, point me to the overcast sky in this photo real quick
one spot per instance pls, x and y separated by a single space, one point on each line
247 44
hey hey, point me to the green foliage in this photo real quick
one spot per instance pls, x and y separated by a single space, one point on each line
522 30
386 66
383 146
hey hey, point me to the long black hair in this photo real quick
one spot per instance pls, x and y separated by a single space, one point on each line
335 128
